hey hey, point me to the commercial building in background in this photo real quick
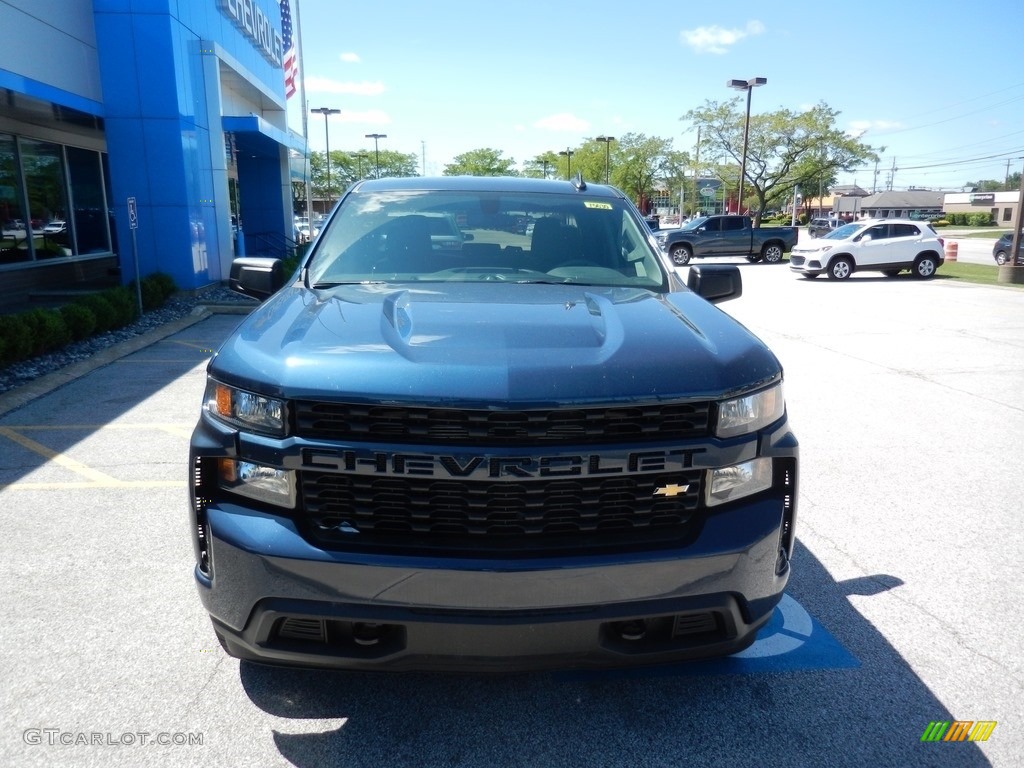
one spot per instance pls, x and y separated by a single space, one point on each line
1002 206
173 111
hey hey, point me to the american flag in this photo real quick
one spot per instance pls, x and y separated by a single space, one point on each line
291 62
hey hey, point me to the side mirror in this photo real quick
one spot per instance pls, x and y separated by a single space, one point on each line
865 238
715 282
259 278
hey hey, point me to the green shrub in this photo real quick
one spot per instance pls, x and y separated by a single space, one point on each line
156 289
125 304
101 309
48 330
80 320
15 338
940 223
164 283
979 219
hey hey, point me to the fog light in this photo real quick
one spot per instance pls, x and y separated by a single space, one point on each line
257 481
730 483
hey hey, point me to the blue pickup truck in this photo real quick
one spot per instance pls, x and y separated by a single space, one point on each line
536 449
727 235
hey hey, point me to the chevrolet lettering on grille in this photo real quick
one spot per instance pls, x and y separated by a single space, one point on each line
496 467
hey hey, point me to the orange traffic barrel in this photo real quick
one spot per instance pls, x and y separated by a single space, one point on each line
951 249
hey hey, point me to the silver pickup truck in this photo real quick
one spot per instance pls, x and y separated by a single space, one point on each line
726 236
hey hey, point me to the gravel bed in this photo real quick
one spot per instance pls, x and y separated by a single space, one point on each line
175 308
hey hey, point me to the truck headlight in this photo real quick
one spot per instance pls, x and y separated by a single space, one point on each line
730 483
257 481
245 410
750 413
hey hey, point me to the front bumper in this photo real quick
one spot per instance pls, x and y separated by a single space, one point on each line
813 264
275 598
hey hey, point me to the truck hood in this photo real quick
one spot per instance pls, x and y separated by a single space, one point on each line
487 343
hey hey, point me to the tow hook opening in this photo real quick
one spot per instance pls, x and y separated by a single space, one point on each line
632 630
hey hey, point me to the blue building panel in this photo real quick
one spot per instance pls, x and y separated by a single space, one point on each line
119 58
158 64
156 76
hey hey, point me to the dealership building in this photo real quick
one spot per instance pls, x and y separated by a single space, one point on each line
141 136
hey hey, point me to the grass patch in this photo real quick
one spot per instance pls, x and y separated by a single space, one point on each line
981 234
972 273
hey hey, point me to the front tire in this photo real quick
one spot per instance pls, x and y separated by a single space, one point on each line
681 255
772 253
925 267
1002 258
841 268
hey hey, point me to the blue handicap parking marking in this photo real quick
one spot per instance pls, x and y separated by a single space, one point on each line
791 641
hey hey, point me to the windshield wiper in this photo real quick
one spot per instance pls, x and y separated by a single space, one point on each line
321 286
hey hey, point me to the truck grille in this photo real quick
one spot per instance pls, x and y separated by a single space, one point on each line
576 426
357 509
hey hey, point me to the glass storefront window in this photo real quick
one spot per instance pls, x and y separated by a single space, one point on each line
91 234
43 165
13 221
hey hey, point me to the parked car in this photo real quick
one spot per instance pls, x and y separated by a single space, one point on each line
1001 250
881 245
819 227
55 227
550 453
727 235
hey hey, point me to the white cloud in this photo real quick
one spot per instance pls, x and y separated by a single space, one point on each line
350 58
715 39
860 127
326 85
367 117
563 122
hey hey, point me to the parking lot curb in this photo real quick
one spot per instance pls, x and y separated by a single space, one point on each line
23 395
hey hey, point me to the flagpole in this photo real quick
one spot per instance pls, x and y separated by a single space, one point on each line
305 116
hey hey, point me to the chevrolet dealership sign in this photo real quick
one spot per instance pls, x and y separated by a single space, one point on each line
255 25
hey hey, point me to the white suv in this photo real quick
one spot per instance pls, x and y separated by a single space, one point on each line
880 245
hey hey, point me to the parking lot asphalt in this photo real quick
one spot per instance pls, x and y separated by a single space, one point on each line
902 610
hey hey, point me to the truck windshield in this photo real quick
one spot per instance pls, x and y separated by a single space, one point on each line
446 236
694 223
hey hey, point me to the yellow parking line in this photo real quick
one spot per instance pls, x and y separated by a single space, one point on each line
164 426
200 347
57 458
84 486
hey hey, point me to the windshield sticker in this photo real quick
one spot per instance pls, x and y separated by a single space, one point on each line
602 206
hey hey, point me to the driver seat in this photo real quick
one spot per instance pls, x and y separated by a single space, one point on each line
553 244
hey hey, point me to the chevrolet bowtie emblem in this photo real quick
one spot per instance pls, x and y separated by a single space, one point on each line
671 490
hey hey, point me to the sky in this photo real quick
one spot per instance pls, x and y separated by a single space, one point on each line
939 85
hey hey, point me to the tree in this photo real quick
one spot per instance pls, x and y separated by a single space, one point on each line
642 162
481 162
542 166
348 167
785 149
1011 184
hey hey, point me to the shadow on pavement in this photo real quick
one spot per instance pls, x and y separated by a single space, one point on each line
872 714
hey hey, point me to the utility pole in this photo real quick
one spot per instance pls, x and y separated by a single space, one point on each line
696 179
892 174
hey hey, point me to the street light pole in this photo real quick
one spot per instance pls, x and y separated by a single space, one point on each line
376 149
748 86
607 141
325 111
567 154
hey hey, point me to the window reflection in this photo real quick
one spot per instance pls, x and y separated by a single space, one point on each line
13 229
90 220
43 166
